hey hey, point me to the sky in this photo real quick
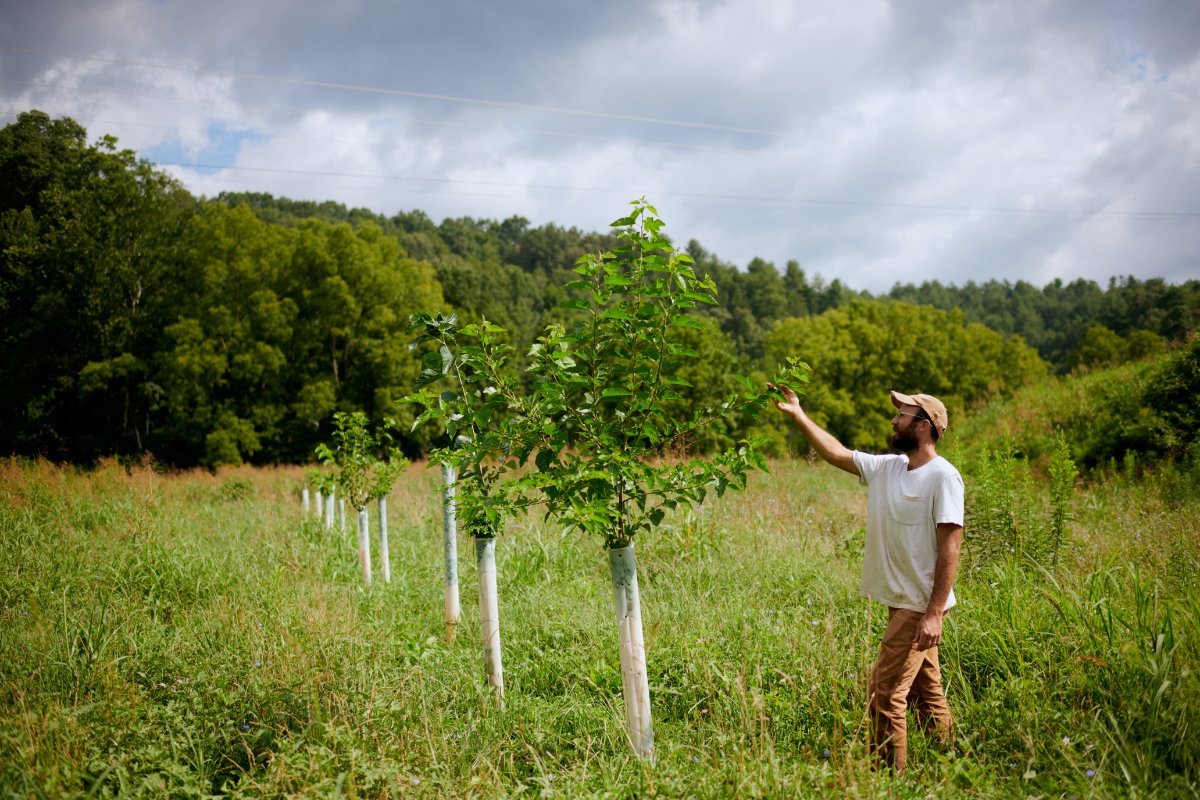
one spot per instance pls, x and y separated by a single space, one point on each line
873 142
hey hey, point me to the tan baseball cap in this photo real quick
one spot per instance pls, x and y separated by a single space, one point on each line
927 403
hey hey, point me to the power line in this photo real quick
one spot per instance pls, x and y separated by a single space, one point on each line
352 87
925 208
918 207
258 135
941 208
417 120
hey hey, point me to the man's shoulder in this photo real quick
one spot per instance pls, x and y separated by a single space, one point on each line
942 465
943 473
883 458
871 464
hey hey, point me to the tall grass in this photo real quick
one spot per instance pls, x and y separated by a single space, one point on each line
195 634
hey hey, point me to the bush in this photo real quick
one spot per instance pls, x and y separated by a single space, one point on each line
1171 393
1140 413
1005 515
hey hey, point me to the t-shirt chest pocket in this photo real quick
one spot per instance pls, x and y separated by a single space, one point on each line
908 509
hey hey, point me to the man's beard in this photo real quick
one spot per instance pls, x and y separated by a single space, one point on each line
904 442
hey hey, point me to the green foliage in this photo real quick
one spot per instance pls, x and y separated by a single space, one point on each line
227 441
1000 515
707 380
322 480
1056 319
236 489
1006 518
1171 392
607 388
1101 347
1063 473
863 350
296 324
136 319
362 474
605 402
87 268
1121 418
463 388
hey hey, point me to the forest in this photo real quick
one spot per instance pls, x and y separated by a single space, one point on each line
140 322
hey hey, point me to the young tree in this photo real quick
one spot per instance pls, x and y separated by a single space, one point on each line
475 412
362 475
604 412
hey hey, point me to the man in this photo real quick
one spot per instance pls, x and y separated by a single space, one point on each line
914 534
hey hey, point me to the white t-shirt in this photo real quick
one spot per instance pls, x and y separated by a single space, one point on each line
904 508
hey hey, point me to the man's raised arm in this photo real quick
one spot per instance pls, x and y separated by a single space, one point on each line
826 445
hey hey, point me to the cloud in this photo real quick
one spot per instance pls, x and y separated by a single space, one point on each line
874 142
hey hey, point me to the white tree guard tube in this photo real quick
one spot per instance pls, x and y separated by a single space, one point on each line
320 504
450 548
330 506
304 499
342 514
634 683
489 612
364 545
385 558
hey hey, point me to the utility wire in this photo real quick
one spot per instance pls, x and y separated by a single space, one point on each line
353 87
940 208
418 120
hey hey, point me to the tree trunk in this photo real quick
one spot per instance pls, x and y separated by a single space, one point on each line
634 684
385 558
489 612
364 545
450 548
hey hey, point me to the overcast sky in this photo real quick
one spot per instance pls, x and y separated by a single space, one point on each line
873 142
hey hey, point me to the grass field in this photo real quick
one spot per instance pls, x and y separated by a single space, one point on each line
196 634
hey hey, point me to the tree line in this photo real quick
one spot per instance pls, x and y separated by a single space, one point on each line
137 319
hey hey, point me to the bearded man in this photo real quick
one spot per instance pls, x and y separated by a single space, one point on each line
914 536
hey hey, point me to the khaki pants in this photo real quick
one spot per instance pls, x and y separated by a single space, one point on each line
905 676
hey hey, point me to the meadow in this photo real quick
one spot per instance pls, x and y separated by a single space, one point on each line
194 634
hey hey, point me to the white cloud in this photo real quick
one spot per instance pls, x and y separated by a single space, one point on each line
906 141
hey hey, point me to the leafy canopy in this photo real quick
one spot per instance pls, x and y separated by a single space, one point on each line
361 474
479 407
604 411
607 388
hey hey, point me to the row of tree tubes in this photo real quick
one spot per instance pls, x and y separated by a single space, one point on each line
594 442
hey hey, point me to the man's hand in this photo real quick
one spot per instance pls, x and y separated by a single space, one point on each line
929 631
826 445
787 401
